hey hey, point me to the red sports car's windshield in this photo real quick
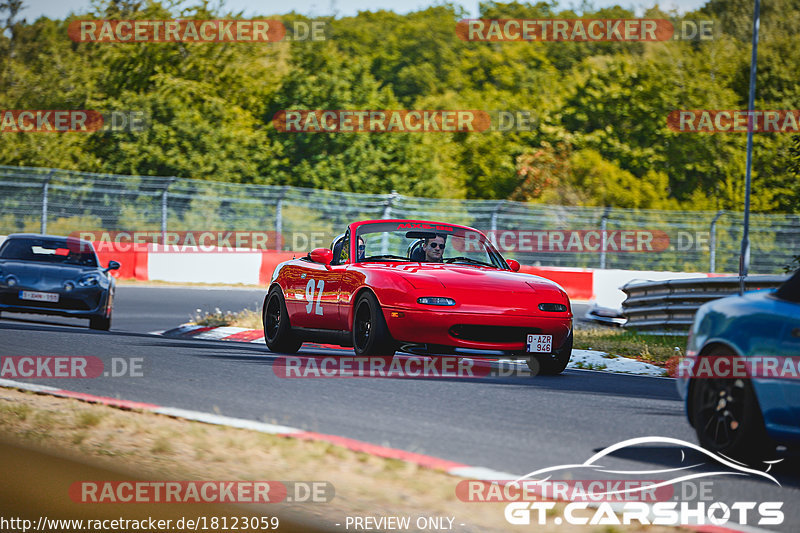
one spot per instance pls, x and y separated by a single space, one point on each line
425 242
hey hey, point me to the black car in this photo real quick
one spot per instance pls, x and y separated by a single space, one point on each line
52 275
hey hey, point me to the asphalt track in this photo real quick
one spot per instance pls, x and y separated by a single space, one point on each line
510 424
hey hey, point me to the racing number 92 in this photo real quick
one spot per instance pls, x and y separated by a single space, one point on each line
310 296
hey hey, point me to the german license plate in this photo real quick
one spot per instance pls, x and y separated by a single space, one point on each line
38 296
540 343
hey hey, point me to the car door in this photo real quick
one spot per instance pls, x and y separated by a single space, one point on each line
315 295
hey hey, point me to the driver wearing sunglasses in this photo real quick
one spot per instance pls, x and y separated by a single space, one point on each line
361 250
434 248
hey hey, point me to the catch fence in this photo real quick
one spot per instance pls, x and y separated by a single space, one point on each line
61 201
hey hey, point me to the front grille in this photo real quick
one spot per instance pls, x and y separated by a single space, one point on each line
471 332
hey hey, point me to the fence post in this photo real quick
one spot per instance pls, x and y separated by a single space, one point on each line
164 195
712 242
45 190
387 213
279 220
603 225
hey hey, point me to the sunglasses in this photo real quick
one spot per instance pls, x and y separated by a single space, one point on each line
436 245
362 247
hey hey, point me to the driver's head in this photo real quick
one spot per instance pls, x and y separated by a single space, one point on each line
434 248
361 250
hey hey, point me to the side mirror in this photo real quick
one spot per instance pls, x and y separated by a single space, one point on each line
513 264
113 265
321 255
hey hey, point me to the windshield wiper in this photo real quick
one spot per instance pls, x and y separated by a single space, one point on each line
461 259
385 258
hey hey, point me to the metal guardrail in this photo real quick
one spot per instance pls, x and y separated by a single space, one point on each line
669 306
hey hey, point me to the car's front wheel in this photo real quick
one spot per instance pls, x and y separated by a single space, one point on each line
552 364
277 329
370 333
727 417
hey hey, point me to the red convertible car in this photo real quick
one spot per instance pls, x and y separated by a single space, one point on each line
421 285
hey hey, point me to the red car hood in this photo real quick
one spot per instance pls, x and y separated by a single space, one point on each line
470 278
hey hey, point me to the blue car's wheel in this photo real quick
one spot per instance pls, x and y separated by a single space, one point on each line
727 417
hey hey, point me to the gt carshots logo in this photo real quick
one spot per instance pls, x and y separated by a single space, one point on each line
627 508
660 513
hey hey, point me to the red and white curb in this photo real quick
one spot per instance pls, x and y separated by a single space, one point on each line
581 359
426 461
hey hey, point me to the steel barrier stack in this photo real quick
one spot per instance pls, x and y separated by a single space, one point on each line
669 306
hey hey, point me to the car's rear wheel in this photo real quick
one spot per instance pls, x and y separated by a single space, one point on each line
552 364
102 323
370 333
727 417
277 329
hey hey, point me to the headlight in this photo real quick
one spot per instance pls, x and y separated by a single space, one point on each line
436 300
553 308
11 281
89 280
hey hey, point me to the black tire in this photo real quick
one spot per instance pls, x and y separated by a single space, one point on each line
727 418
101 323
370 333
277 329
551 364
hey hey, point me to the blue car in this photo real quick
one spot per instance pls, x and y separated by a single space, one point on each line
52 275
746 417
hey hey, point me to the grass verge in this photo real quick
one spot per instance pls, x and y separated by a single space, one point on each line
654 349
162 448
